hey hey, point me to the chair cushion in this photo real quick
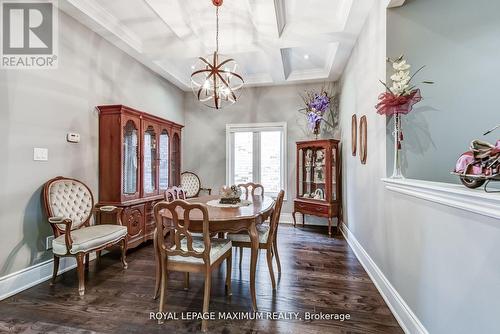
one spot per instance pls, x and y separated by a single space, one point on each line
88 238
218 248
263 231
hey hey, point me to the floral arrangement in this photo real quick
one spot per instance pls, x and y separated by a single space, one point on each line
402 95
230 195
319 107
399 100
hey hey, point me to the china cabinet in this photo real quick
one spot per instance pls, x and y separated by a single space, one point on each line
139 158
318 180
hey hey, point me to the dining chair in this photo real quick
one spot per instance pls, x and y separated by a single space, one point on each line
171 194
191 184
252 189
189 253
69 207
174 193
267 238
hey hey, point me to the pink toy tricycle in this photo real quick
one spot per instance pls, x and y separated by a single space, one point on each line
480 165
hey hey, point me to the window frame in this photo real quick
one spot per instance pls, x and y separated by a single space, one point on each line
257 127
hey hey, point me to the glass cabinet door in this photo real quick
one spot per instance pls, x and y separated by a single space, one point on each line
130 155
312 173
163 148
334 174
176 160
149 161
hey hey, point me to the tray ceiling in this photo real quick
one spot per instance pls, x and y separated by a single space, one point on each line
274 42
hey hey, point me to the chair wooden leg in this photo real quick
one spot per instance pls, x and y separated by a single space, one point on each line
80 267
163 289
186 281
158 268
270 265
206 296
124 253
275 247
241 256
55 270
229 268
98 257
87 261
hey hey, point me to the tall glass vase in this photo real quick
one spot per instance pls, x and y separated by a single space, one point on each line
397 173
317 129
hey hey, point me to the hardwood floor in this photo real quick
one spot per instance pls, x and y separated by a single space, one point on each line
319 274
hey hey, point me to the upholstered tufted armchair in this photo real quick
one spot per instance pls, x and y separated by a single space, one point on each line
69 206
191 184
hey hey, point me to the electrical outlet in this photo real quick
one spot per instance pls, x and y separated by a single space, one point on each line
48 242
40 154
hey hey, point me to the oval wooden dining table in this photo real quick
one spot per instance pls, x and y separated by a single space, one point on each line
233 220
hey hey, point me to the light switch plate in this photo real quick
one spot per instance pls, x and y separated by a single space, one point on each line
40 154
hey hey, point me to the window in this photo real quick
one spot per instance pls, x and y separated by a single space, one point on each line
257 153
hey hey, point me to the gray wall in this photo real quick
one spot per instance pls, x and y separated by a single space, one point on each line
459 42
38 108
204 140
441 260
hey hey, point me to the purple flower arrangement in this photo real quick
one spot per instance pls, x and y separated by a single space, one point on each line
318 104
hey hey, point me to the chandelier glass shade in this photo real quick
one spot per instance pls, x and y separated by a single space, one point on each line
215 81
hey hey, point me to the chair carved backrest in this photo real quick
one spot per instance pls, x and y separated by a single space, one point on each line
68 198
252 188
180 229
191 184
173 193
275 217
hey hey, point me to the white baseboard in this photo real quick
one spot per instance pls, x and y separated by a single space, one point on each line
401 311
31 276
287 218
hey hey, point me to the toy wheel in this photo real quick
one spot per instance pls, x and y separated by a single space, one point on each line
471 183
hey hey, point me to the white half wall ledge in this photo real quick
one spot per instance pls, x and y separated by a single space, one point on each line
453 195
395 3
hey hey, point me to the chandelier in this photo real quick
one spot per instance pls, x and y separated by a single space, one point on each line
214 80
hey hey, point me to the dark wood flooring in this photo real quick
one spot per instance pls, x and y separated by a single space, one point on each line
319 274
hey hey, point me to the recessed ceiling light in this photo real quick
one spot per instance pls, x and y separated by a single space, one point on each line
306 56
192 67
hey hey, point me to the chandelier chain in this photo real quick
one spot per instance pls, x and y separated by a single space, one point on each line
217 30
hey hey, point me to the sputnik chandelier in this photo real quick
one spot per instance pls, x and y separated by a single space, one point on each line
214 80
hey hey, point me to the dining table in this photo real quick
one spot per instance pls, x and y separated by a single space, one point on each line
244 218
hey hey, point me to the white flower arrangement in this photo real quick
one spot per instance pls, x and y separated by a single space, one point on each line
401 79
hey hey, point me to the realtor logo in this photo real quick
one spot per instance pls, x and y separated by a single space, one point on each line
29 34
